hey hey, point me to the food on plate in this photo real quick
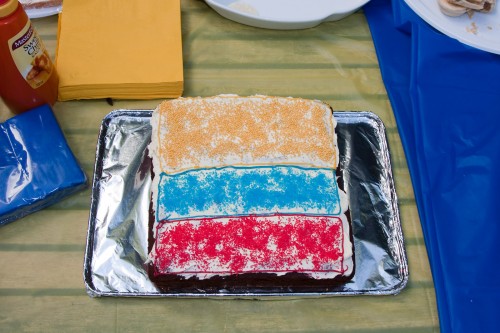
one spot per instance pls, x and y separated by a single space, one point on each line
489 5
460 7
451 9
247 192
472 4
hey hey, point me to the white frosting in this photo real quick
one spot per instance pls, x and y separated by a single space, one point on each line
214 107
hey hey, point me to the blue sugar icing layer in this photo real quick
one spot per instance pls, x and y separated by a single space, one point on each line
235 191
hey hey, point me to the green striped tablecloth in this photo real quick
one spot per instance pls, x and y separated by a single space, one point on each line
41 256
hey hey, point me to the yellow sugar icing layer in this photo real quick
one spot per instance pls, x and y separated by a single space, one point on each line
231 130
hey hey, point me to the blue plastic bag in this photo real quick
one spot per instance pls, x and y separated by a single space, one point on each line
37 167
446 100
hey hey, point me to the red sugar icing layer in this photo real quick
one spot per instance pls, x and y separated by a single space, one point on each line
250 244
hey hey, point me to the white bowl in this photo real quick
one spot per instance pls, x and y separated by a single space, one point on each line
285 14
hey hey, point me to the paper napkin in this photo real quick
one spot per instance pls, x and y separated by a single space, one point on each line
120 49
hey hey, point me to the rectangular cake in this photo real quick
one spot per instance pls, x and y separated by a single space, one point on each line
246 192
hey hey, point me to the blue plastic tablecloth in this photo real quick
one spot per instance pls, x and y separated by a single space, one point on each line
446 100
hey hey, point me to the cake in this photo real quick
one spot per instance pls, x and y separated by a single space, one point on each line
245 194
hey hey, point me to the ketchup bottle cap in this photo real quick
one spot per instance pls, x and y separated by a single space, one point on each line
7 7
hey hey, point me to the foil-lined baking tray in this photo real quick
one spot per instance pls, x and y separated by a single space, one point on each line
117 239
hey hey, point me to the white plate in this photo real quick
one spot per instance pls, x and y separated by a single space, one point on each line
43 11
481 31
285 14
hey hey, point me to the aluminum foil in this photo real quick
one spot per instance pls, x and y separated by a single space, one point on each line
117 239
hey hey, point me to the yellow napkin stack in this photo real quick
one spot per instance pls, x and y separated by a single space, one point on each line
120 49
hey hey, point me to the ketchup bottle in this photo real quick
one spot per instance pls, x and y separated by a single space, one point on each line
28 78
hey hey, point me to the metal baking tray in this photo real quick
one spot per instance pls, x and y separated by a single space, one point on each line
117 239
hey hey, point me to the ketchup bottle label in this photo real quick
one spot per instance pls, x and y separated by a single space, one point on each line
30 56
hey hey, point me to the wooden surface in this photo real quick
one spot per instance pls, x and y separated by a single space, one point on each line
41 256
